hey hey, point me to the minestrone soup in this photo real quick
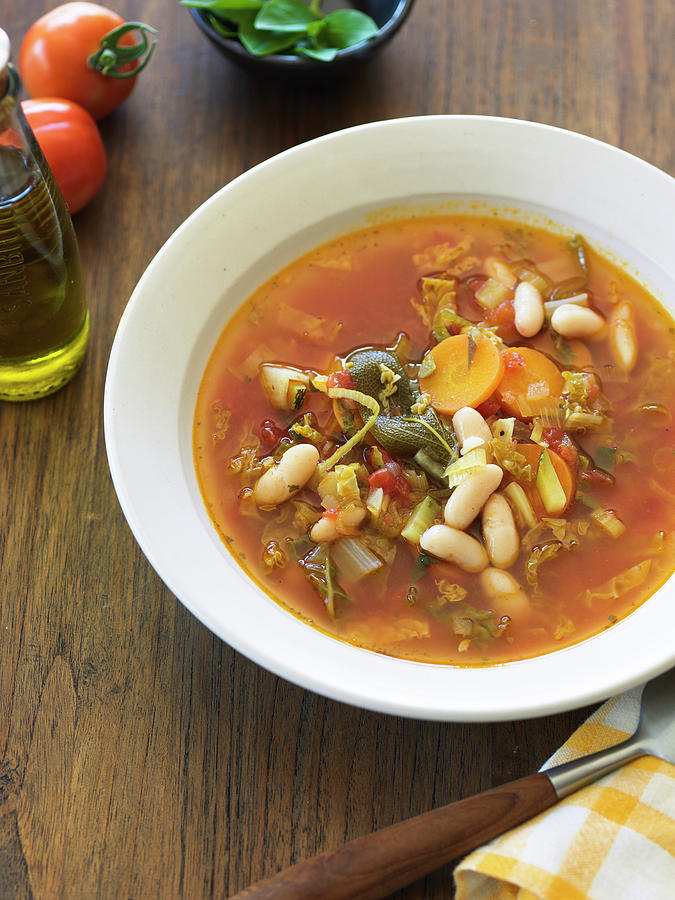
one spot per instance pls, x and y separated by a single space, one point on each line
447 439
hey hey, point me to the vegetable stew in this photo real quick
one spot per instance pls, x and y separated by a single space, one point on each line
446 439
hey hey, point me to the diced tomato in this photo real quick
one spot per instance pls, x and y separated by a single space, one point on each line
502 317
593 392
489 407
270 433
391 479
383 478
562 443
340 379
513 359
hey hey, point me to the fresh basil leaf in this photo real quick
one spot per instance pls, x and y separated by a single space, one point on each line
323 54
284 15
237 18
228 30
224 5
262 43
346 27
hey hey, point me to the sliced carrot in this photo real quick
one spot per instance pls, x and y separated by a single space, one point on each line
467 372
531 382
532 452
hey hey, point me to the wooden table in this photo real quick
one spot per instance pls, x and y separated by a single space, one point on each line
139 755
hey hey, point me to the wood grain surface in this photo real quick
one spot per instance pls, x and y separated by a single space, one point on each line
140 756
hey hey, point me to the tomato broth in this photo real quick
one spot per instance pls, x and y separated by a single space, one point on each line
367 549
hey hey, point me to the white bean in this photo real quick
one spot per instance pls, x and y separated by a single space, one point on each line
468 423
503 590
500 534
572 321
622 338
467 499
324 530
472 443
454 546
528 308
351 516
288 476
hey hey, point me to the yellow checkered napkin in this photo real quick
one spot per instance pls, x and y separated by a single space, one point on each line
613 840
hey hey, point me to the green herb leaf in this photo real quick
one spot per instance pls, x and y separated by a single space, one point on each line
420 566
262 43
224 5
323 54
604 458
346 27
284 15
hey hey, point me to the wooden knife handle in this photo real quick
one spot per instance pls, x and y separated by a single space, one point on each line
377 864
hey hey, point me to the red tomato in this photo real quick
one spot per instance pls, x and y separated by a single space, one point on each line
72 145
54 57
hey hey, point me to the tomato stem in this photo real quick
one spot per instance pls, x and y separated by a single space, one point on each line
111 55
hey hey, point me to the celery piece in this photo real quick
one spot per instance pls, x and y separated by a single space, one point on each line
492 293
466 465
503 429
431 466
374 502
353 559
421 518
608 520
520 504
548 485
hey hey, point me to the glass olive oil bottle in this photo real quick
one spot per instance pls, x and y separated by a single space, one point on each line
44 322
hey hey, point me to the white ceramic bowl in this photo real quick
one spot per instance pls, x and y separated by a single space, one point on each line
239 238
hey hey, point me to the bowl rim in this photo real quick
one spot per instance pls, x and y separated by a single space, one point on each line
475 694
292 63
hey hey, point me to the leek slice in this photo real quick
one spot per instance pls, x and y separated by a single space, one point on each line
465 466
339 393
520 504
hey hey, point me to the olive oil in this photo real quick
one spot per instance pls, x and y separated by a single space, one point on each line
43 317
44 323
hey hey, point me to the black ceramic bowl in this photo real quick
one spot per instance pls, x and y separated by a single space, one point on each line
388 15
